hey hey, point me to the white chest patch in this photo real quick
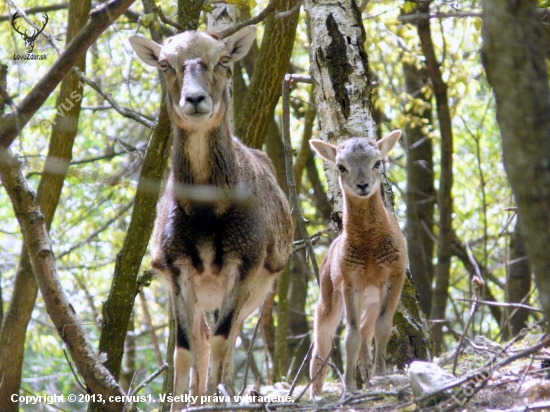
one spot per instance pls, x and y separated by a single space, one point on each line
198 153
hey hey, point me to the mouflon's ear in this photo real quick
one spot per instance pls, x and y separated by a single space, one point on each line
387 142
324 149
240 42
147 50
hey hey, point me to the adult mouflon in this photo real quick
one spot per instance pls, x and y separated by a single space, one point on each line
223 230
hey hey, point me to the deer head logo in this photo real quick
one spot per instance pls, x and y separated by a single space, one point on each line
29 40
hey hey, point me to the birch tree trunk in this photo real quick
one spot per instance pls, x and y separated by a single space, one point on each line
339 68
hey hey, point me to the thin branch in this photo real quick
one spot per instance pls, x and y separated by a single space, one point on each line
254 20
97 232
251 346
149 379
416 18
290 78
165 19
506 305
290 12
151 328
295 381
37 10
315 376
473 311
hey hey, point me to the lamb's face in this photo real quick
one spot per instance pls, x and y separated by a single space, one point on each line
358 162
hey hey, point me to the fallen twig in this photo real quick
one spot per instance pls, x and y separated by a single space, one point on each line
295 381
315 376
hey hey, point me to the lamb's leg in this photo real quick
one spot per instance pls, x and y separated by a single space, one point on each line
201 346
383 327
327 316
371 311
183 303
353 306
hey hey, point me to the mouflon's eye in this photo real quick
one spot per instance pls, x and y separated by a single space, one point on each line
342 169
377 164
164 65
224 62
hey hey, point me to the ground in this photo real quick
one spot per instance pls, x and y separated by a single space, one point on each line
522 385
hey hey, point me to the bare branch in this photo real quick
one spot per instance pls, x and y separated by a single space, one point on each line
38 10
100 19
37 241
289 78
254 20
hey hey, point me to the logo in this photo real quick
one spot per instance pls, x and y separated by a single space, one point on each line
29 40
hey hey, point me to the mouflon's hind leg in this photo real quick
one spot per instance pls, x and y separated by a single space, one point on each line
328 314
183 303
225 330
201 347
353 305
371 302
384 323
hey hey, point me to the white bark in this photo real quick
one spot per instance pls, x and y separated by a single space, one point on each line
339 67
222 17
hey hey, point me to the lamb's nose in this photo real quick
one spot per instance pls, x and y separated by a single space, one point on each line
362 186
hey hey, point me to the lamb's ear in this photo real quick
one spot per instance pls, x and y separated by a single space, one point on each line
324 149
387 142
239 43
147 50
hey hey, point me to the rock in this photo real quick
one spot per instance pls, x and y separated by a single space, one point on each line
426 378
487 344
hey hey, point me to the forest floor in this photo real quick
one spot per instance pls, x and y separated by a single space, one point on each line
489 378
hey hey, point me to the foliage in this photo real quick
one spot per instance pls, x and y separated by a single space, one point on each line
109 149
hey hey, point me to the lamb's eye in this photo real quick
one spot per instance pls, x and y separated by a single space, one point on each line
164 65
342 169
377 164
224 62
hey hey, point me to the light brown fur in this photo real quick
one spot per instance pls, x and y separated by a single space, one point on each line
224 230
364 269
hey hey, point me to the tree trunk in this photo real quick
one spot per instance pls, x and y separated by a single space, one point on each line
518 283
444 195
420 185
339 68
256 111
25 289
513 55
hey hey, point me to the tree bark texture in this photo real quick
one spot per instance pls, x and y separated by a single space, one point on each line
420 185
100 19
518 283
63 132
96 377
513 55
272 62
339 68
444 194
